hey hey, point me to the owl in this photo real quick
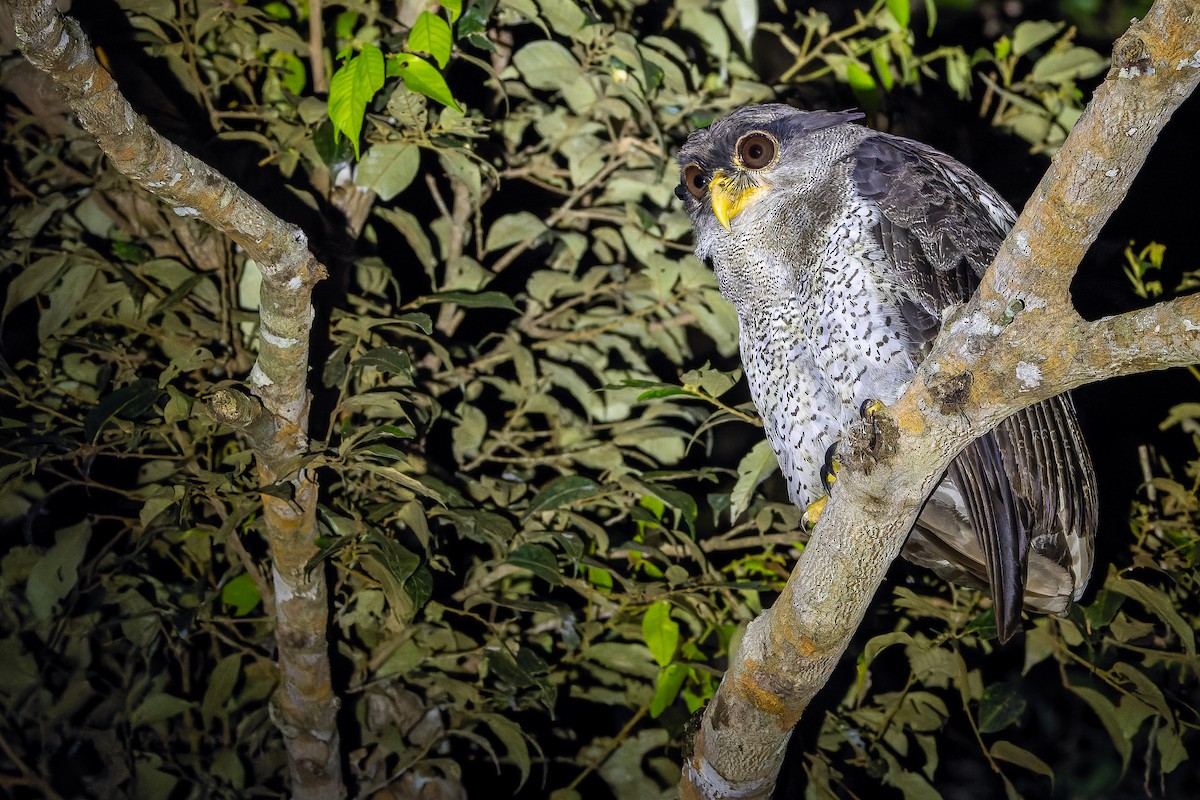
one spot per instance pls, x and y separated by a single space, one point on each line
840 248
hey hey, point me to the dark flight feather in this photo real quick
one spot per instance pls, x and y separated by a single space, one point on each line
1028 485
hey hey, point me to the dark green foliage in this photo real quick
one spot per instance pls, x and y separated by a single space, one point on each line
544 517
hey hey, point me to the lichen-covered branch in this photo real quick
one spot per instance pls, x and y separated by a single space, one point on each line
277 429
1017 342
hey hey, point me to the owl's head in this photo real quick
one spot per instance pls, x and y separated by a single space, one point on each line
753 157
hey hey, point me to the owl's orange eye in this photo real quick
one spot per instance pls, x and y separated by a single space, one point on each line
756 150
695 179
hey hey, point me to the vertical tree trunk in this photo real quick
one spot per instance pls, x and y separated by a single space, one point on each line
306 707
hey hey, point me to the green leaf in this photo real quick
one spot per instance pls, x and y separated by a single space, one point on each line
351 88
666 391
54 575
388 360
1030 34
1002 705
431 34
423 78
221 682
473 299
335 151
513 738
742 18
128 402
547 65
1171 748
538 560
157 708
388 168
66 297
660 632
859 77
455 8
510 229
1158 603
1107 713
565 491
1006 751
241 593
900 10
473 23
1069 65
752 470
666 687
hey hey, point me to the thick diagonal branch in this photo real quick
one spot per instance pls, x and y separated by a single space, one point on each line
278 430
789 652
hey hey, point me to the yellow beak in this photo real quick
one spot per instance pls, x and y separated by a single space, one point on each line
727 199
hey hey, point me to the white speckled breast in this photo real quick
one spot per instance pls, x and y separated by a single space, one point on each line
821 345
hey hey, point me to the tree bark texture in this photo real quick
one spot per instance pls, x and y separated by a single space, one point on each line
1017 342
275 424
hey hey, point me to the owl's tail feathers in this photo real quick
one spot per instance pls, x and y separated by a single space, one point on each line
1001 528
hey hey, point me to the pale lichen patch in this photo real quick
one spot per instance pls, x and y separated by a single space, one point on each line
1029 375
1021 243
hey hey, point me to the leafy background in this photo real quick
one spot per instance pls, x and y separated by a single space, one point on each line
547 511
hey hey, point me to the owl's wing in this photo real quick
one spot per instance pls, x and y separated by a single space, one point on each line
1027 488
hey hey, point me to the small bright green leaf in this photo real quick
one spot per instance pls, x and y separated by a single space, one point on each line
292 73
666 688
431 34
564 491
241 593
660 632
899 9
351 89
455 8
388 168
538 560
343 25
423 78
859 77
666 391
1002 705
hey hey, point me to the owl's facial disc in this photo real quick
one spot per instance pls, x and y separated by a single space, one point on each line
730 196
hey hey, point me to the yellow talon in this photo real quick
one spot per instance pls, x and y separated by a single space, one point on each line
872 407
813 512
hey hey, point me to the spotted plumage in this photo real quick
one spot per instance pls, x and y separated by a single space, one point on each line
840 248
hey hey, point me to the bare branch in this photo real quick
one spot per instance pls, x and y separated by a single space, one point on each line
1021 317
